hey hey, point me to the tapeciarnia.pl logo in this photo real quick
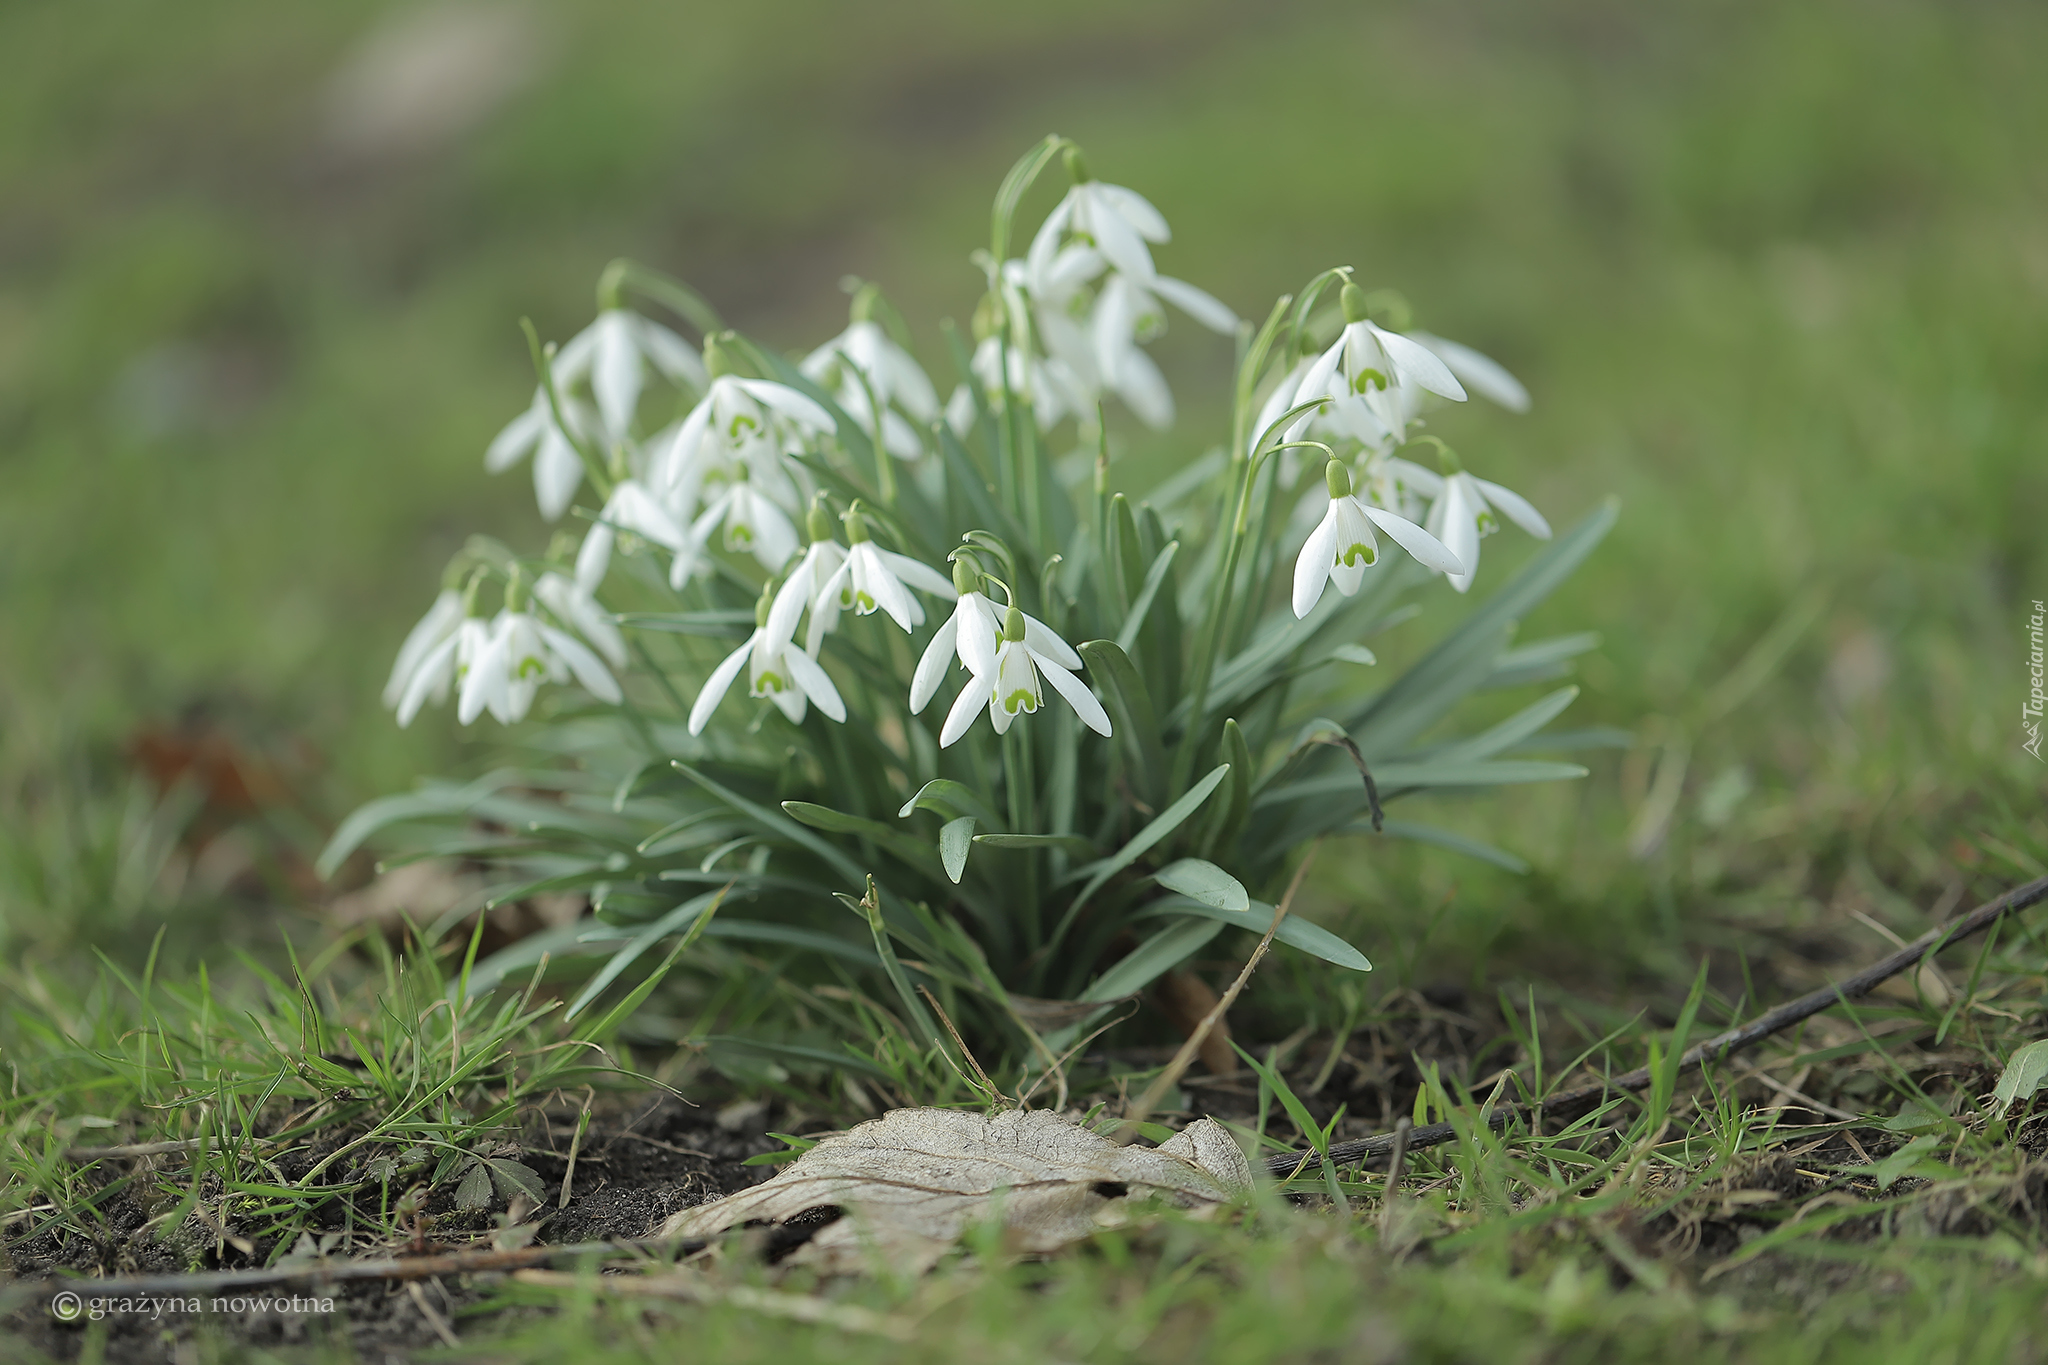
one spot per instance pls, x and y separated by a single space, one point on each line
2030 710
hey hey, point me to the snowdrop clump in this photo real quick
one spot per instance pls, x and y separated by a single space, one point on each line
1164 673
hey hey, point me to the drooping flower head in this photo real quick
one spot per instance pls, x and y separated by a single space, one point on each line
777 671
1010 687
1343 547
862 360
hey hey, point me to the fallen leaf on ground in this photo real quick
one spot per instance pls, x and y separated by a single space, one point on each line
910 1183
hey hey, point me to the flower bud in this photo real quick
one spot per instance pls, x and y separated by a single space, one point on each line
818 522
1013 625
717 363
1338 478
1356 308
856 524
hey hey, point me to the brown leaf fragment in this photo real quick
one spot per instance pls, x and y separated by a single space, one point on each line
913 1181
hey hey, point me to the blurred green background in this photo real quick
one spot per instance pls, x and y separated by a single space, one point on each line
1777 275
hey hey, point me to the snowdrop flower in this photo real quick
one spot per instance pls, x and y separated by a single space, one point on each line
613 353
557 467
1047 383
1463 513
873 577
443 665
1117 222
1010 684
805 586
1365 360
970 633
633 509
523 652
739 421
1342 546
434 629
753 523
577 607
1128 311
776 670
887 368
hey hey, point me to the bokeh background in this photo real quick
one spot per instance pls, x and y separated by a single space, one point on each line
1777 275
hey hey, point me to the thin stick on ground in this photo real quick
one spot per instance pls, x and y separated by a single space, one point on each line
399 1268
1192 1048
1718 1047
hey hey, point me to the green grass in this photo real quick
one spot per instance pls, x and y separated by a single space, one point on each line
1776 276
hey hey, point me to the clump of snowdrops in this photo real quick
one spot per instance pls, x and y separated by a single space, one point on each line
817 639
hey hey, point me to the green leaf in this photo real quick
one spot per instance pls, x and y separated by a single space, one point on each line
1167 822
1257 917
1402 776
776 823
894 841
1539 660
475 1190
1072 844
638 995
1203 881
515 1178
1509 732
1462 660
1457 843
1131 714
435 800
956 841
914 1012
944 797
1152 959
674 922
2025 1074
1141 606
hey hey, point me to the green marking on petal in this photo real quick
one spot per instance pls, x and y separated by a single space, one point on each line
867 603
530 666
1368 378
1358 551
740 420
769 683
1020 700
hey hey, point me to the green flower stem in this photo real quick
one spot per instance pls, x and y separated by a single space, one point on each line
1019 786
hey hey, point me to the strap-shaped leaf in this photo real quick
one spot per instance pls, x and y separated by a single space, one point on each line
1152 959
956 841
1454 841
1141 843
775 823
1201 880
1131 714
1256 918
674 922
1462 660
1508 733
1071 844
944 797
893 841
1453 773
1141 606
429 802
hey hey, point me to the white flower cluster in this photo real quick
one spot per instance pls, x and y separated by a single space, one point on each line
1063 328
1369 386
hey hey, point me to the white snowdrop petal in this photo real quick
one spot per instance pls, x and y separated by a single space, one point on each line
932 664
975 617
967 706
672 355
510 445
1430 552
797 407
557 474
1519 509
1039 638
615 375
1419 363
718 684
815 682
1135 209
1312 566
588 668
430 676
918 575
1119 242
1198 304
1144 389
1482 372
1077 694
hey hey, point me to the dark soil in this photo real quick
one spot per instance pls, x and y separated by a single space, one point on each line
633 1169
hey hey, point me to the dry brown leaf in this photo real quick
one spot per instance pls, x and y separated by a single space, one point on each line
911 1182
